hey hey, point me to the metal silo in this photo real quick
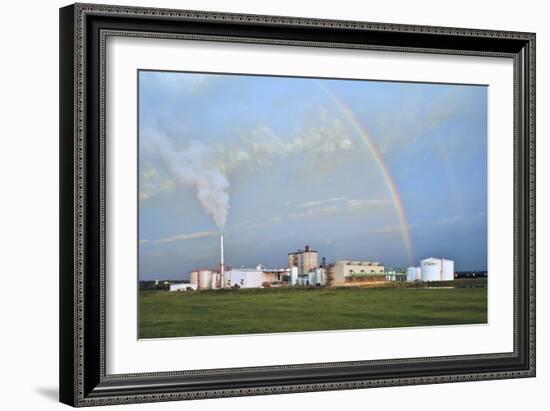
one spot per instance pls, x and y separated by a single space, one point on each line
194 277
216 283
448 272
431 269
413 274
205 279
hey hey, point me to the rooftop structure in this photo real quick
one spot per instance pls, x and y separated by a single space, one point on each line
305 260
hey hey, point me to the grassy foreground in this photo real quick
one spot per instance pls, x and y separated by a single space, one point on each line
252 311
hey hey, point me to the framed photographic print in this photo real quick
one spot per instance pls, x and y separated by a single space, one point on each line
262 204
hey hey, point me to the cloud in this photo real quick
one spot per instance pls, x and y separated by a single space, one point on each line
144 241
342 206
389 229
354 205
446 221
186 236
145 195
317 212
462 104
461 219
321 202
450 220
153 182
262 146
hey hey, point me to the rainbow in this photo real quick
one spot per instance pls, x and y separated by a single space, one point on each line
361 131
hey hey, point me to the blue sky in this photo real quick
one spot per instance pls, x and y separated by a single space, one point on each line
276 163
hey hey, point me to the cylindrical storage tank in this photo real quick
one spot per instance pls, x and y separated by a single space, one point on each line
448 270
205 279
418 274
194 277
411 274
215 281
294 275
431 269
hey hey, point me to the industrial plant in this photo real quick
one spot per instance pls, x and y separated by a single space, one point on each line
304 269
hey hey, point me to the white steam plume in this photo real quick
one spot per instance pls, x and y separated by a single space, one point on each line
191 168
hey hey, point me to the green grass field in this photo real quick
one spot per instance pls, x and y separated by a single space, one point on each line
252 311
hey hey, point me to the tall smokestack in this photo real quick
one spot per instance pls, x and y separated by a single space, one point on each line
222 267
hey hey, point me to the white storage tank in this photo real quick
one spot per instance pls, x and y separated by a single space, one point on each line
194 277
436 269
414 274
448 270
431 269
216 281
205 279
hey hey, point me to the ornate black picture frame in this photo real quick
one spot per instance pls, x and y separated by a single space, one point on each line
83 31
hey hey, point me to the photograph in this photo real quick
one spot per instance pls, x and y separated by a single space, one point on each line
279 204
290 200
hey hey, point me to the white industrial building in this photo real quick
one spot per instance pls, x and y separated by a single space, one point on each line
208 279
245 278
183 287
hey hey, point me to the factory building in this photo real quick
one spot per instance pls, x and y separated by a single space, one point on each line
183 287
395 275
255 277
277 275
345 272
208 279
305 260
245 278
437 269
